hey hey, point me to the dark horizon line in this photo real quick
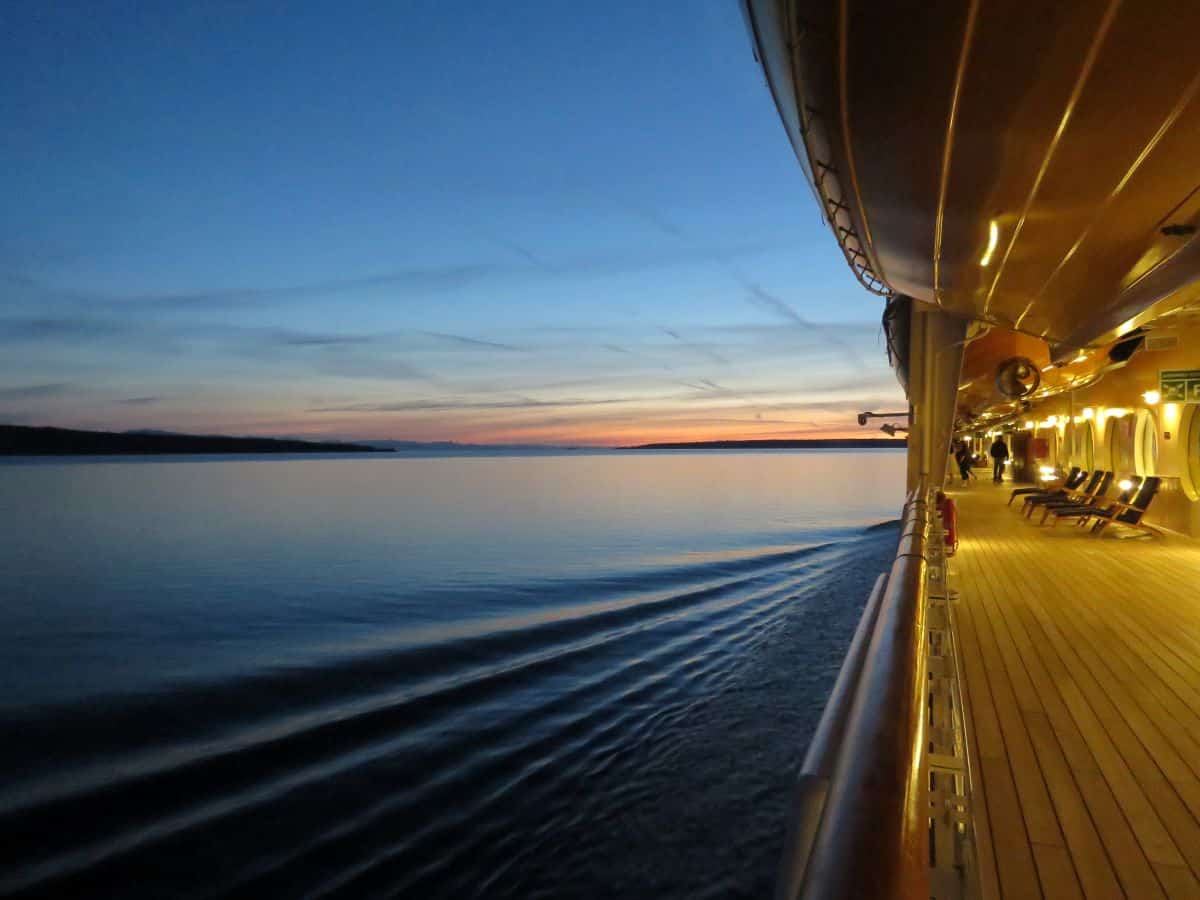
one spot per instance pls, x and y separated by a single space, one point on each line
781 444
24 437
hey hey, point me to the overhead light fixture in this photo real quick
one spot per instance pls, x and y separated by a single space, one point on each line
1152 397
1089 413
1029 425
1124 484
993 239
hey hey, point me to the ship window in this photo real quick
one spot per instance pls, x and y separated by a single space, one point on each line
1085 446
1147 443
1191 483
1119 438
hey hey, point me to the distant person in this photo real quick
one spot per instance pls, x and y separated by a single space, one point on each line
999 454
963 457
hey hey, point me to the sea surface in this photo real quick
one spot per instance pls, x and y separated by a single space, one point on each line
577 675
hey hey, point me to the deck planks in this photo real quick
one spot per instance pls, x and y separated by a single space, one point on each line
1081 662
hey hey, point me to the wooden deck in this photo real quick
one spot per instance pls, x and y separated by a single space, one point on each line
1081 658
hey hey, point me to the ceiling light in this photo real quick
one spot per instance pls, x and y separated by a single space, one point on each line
993 238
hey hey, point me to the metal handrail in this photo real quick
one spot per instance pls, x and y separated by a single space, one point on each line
812 784
857 828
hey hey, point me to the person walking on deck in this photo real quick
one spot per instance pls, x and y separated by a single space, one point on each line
963 458
999 454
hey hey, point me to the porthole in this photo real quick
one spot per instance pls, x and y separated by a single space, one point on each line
1191 473
1119 440
1085 446
1146 443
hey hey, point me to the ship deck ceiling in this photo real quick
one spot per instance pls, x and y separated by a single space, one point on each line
1081 662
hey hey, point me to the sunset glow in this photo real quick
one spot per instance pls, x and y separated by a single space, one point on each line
536 246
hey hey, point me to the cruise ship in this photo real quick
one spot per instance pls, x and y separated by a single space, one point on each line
1018 715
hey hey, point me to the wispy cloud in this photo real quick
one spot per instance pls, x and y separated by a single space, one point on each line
468 404
703 350
768 301
140 401
42 328
472 342
34 390
408 279
300 339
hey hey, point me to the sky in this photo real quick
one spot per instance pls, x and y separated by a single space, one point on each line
516 222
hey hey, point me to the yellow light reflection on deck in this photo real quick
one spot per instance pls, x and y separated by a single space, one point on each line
993 239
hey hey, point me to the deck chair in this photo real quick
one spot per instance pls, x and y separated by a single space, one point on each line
1096 486
1090 498
1130 514
1073 480
1081 512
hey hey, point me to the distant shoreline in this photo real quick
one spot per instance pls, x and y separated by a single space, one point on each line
23 440
798 444
20 440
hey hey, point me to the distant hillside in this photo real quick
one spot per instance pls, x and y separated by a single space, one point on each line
804 444
18 440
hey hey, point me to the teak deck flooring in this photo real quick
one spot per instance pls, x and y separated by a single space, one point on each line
1081 658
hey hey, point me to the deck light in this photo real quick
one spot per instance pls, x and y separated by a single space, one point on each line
993 239
1089 413
1124 484
1046 470
1152 397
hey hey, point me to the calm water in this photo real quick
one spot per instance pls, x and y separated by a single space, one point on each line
574 675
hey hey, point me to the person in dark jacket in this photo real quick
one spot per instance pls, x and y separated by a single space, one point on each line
963 457
999 454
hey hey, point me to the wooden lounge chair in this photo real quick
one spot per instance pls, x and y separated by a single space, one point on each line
1073 480
1096 486
1081 512
1130 514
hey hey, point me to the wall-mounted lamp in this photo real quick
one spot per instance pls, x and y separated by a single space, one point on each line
863 416
1124 484
1151 397
1089 413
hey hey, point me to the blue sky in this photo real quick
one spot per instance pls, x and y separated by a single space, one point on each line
541 222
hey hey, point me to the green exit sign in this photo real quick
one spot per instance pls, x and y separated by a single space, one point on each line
1179 385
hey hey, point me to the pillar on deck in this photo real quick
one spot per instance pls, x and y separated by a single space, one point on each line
935 362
